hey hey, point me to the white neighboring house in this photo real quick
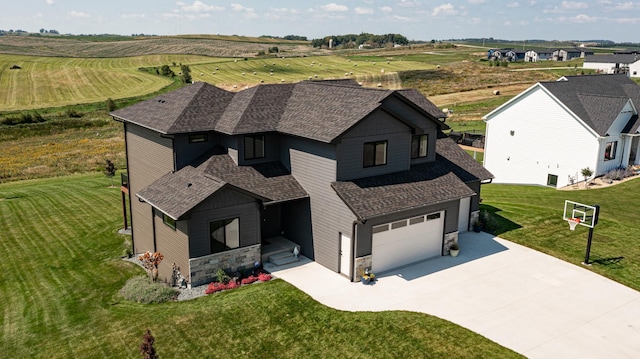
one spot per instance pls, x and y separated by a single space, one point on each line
612 64
547 134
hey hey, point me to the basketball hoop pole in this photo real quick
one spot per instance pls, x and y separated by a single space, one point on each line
595 221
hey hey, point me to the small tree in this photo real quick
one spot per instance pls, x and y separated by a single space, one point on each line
146 348
165 70
186 73
110 170
111 106
586 173
150 262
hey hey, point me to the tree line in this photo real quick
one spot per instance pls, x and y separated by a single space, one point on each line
353 40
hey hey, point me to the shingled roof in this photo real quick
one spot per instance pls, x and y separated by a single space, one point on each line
596 99
424 184
177 193
318 110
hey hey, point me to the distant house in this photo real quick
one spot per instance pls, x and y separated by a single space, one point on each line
515 55
614 64
498 54
538 55
547 134
569 54
352 177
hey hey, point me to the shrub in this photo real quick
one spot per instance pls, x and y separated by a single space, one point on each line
222 276
140 289
73 113
150 262
264 277
111 106
618 174
250 279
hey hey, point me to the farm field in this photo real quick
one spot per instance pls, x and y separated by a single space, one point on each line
61 272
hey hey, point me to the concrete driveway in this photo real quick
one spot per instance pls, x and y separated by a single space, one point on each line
535 304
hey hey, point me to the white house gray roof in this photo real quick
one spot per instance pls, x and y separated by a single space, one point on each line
177 193
596 99
613 58
319 110
425 184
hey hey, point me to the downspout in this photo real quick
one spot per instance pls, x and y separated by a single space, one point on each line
126 156
354 243
153 228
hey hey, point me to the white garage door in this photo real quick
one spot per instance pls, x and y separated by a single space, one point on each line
411 240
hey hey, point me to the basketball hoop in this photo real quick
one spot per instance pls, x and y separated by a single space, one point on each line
573 222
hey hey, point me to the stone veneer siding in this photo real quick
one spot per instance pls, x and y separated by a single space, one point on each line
361 264
203 269
449 240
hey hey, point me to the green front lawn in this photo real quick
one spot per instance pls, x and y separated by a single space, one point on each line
532 216
61 271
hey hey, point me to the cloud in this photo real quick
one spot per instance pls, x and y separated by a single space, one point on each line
333 7
408 3
198 7
627 20
624 6
582 19
401 18
363 11
49 2
444 10
477 2
574 5
249 13
79 14
513 5
386 9
132 16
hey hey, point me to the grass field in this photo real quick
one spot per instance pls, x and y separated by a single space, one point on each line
532 216
61 271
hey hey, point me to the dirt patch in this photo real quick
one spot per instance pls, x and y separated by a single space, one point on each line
597 183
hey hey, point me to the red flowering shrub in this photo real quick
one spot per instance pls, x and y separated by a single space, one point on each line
217 286
250 279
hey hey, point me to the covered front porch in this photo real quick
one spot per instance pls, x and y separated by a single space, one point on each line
285 228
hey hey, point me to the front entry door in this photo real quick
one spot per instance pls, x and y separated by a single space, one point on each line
345 254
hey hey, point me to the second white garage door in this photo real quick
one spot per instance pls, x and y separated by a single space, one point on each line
406 241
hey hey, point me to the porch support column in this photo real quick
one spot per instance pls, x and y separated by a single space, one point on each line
627 151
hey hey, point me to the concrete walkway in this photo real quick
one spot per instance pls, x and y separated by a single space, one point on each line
533 303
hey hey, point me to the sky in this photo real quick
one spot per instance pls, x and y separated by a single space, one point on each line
416 19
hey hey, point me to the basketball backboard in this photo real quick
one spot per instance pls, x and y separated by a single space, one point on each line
587 215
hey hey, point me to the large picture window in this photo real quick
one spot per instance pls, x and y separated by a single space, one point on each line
253 147
419 146
610 150
225 235
375 153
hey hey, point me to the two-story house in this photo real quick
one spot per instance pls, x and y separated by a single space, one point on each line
355 177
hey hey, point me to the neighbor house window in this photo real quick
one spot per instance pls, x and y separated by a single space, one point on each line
610 150
169 221
419 146
225 235
552 180
375 153
253 147
197 137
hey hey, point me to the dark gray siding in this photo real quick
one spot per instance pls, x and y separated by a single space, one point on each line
475 200
223 205
364 240
173 244
271 148
313 165
296 225
149 157
380 126
187 152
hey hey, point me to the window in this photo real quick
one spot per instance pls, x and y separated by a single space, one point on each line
225 235
382 228
432 216
419 146
375 153
197 137
169 221
253 147
610 150
552 180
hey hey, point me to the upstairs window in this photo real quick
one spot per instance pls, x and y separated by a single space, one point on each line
610 150
197 137
375 153
253 147
419 146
